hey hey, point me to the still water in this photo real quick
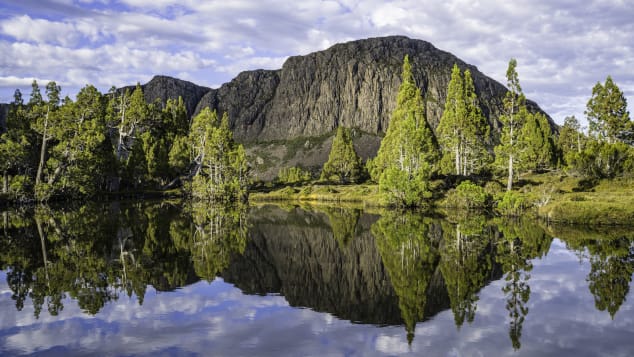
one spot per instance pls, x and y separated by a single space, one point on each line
161 278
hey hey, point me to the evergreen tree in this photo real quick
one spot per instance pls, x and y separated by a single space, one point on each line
343 165
538 148
513 119
570 138
221 171
463 130
450 128
407 156
607 114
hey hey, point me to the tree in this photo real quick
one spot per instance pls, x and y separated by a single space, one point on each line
463 130
407 155
44 119
343 165
221 171
410 258
513 119
537 144
570 138
607 114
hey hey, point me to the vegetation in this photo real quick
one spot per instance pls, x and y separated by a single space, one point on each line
57 148
343 165
463 131
293 175
407 157
60 148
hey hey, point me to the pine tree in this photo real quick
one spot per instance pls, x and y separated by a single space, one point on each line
450 131
607 113
538 148
463 131
407 155
513 119
221 171
343 165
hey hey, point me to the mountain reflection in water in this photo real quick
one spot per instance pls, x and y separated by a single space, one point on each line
379 270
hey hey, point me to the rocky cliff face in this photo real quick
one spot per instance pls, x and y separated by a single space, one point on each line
164 88
352 84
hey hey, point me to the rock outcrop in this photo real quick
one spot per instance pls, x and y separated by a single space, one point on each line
164 88
352 84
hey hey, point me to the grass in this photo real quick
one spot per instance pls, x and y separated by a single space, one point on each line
565 199
610 202
366 194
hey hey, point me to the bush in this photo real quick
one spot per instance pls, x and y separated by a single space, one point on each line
291 175
468 195
512 203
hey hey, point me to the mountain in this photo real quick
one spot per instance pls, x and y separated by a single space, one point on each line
164 88
353 84
286 117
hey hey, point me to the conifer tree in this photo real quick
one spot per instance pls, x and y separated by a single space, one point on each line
538 148
513 119
407 155
607 114
221 171
463 130
343 165
570 136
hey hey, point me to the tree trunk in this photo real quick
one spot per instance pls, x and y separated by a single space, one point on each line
457 159
509 184
40 166
5 182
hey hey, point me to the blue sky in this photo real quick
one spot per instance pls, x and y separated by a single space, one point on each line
563 47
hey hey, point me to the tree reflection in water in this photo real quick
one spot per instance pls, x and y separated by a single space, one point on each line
368 268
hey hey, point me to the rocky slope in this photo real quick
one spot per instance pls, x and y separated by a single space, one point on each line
164 88
352 84
287 116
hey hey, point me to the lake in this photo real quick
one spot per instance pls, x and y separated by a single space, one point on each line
167 278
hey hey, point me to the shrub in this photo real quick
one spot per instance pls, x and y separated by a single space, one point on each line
291 175
469 195
512 203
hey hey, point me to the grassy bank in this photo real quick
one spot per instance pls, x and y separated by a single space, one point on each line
609 202
365 194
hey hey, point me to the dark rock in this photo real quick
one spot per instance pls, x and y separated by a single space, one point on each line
352 84
164 88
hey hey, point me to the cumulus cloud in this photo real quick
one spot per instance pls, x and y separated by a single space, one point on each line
562 48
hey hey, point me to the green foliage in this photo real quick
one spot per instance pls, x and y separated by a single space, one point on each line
343 165
512 203
463 131
465 264
410 259
221 172
513 118
469 195
607 114
601 159
537 144
407 156
293 175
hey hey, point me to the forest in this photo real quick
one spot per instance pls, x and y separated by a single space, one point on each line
57 148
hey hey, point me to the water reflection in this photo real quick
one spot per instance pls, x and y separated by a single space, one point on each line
380 268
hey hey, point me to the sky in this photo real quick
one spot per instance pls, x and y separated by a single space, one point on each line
563 47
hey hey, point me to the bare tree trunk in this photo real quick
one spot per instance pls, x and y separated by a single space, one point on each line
5 182
40 166
509 184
